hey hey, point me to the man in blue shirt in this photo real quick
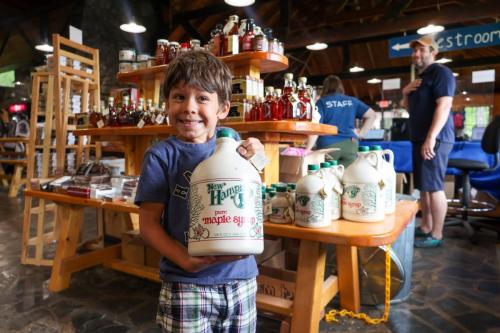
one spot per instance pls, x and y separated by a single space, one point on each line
341 110
429 99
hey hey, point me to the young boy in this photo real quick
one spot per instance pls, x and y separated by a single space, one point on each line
198 294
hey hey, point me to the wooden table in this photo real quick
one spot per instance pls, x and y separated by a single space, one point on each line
270 133
312 292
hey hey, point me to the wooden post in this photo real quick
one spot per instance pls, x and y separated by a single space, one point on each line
347 263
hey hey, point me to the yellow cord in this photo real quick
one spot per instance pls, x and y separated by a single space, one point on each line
331 315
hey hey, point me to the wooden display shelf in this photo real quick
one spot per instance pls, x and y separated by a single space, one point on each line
67 146
14 140
72 200
13 161
267 62
282 126
139 74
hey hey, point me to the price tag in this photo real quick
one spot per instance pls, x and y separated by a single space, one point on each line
159 119
100 124
259 160
141 123
153 117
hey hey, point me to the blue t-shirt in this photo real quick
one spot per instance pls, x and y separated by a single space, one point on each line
165 177
339 110
437 81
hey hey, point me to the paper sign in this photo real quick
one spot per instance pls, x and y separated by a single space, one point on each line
75 35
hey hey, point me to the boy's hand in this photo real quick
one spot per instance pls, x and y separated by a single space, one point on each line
196 264
250 147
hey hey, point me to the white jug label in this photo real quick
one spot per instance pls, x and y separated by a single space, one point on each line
309 208
159 119
335 205
362 199
225 209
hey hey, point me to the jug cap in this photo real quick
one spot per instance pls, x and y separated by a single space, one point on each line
291 186
324 165
270 189
333 162
375 147
281 188
313 167
363 149
225 133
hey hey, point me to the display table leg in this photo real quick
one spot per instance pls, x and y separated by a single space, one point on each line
308 287
16 180
348 275
71 224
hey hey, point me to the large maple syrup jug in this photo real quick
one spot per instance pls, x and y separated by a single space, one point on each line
225 203
363 200
386 168
313 199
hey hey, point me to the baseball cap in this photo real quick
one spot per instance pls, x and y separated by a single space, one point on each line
425 41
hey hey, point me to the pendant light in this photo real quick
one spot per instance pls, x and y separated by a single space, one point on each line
430 29
133 28
44 46
444 60
374 81
356 69
239 3
317 46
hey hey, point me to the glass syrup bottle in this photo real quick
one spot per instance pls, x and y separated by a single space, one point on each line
132 109
112 114
123 116
247 38
270 105
147 112
95 118
304 106
231 37
285 106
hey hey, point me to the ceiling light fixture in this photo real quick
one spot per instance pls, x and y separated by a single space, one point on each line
455 74
133 28
374 81
430 29
356 69
444 60
44 47
317 46
239 3
18 83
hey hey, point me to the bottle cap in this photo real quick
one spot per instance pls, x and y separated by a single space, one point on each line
363 149
281 188
302 79
289 76
313 167
291 186
270 89
225 133
334 162
375 147
324 165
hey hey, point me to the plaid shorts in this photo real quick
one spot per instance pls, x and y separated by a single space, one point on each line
227 308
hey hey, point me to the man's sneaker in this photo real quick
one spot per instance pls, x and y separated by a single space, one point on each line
428 242
420 233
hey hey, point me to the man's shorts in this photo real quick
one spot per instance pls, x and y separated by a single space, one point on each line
229 307
428 175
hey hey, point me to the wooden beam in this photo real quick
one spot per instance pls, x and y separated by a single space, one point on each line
446 16
397 9
193 32
25 37
5 40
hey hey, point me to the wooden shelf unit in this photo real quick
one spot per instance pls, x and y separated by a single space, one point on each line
18 159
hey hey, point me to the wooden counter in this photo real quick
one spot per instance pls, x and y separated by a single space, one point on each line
270 133
313 291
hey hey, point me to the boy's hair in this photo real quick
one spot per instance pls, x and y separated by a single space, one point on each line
332 85
200 69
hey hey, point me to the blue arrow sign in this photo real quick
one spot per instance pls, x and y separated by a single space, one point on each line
450 40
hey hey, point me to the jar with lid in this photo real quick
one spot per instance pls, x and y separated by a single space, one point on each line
173 51
274 45
281 48
259 42
126 55
281 205
195 44
161 47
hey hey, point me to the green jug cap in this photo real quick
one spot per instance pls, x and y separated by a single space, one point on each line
291 186
313 167
363 149
375 147
334 162
226 133
324 165
281 189
270 189
272 194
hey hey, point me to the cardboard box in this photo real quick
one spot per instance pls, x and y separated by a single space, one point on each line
292 168
276 278
133 247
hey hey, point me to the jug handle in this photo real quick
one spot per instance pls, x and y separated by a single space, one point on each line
372 158
340 169
391 155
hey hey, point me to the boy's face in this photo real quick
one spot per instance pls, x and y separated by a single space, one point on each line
194 113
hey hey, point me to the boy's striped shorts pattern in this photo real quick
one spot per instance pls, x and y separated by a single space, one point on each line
227 308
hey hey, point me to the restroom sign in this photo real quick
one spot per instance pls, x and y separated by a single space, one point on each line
450 40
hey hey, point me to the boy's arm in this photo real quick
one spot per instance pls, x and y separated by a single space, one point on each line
153 233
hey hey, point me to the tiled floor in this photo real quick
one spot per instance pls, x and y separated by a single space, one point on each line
455 288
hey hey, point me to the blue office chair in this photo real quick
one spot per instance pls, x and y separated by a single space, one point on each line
490 144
